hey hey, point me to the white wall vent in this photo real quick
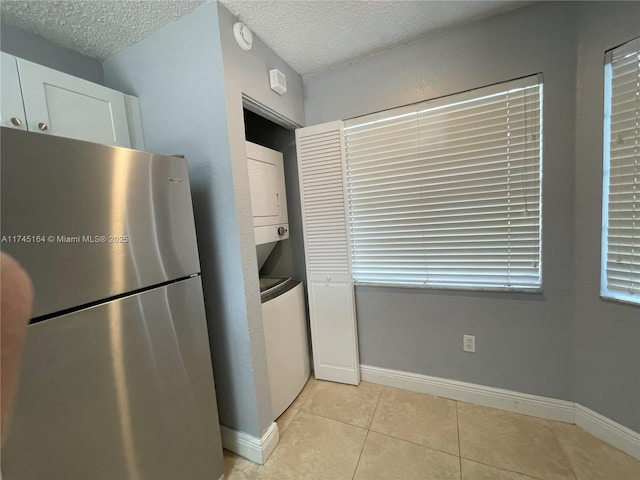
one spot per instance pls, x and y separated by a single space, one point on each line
278 81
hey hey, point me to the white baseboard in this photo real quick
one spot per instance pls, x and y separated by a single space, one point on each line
549 408
252 448
606 429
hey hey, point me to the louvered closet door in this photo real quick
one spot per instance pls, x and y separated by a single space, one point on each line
326 242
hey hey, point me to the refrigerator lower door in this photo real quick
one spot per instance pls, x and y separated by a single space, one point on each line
123 390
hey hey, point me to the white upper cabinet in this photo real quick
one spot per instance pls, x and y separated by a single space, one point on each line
11 107
64 105
40 99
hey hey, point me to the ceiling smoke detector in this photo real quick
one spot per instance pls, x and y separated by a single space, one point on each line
243 36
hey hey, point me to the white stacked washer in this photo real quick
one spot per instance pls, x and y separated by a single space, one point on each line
283 301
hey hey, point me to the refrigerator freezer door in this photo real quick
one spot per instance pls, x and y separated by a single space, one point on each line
89 221
123 390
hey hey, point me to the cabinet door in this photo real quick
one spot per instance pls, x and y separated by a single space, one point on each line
134 118
64 105
11 108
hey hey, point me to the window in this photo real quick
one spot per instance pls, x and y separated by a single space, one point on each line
447 193
620 277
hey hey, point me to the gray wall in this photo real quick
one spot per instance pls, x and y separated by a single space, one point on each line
523 341
36 49
247 73
566 343
190 78
606 345
177 75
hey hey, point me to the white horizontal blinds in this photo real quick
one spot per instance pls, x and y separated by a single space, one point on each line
322 189
623 172
449 194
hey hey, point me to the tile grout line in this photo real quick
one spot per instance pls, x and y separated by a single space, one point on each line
459 447
503 469
376 408
367 434
496 466
564 452
310 412
360 455
334 420
281 433
244 473
404 439
310 392
414 443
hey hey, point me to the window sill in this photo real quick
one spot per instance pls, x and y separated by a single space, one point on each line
455 288
621 298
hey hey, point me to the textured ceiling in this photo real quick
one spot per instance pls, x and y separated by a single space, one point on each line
96 28
314 35
310 35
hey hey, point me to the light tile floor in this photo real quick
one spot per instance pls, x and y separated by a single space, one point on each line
370 432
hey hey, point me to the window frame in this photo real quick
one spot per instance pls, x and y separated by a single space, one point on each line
606 292
452 100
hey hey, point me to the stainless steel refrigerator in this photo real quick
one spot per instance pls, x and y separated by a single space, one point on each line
116 380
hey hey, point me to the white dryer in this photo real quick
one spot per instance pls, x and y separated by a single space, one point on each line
268 194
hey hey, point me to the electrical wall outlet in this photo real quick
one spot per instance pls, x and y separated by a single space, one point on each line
469 343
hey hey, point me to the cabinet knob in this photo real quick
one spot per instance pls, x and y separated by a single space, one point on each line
16 121
282 231
43 126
